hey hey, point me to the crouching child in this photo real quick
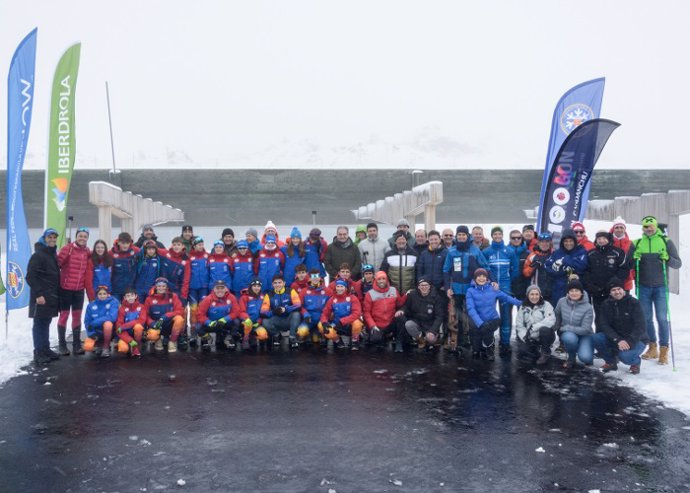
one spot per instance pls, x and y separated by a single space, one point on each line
219 313
340 317
164 316
99 320
250 314
131 318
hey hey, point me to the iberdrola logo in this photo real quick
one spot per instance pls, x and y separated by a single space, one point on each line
60 192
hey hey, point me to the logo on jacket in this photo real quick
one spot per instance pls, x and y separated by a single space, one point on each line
15 280
60 192
574 116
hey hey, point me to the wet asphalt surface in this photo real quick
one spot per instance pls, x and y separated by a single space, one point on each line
321 421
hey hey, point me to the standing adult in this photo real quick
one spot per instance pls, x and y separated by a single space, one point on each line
342 250
73 260
399 264
478 238
147 233
404 226
569 259
187 237
420 241
228 238
623 241
654 254
43 277
373 248
448 238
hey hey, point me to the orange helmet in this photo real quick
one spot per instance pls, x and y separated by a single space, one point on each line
122 347
261 334
89 344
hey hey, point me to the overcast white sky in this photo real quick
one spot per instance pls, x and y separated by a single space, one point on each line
394 84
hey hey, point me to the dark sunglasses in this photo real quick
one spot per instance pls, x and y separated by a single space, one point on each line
516 237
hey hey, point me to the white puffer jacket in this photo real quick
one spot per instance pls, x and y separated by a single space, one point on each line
532 318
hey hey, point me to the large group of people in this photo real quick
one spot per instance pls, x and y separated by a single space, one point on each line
425 290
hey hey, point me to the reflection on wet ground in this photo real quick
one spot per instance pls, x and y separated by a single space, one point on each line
317 421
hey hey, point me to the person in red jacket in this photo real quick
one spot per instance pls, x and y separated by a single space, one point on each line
99 270
579 230
622 241
382 310
340 317
73 260
301 278
131 318
250 314
219 313
164 315
345 274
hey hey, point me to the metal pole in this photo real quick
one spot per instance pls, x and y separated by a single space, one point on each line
110 124
313 217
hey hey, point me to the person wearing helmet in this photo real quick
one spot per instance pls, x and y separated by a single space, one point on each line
219 314
340 317
129 327
250 315
101 315
534 268
164 316
280 311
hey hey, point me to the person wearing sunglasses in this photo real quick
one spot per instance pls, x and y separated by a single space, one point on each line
623 241
570 258
520 247
534 269
581 236
654 255
73 260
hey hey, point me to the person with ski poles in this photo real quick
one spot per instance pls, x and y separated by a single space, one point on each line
654 254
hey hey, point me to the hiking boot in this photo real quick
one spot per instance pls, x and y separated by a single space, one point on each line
135 352
159 344
560 349
40 358
663 356
505 350
635 369
608 367
76 347
105 353
398 346
172 346
421 342
652 352
293 343
543 359
569 364
355 345
52 355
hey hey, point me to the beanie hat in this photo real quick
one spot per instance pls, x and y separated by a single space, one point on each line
150 226
528 227
270 225
381 275
253 232
462 229
619 221
496 228
480 272
604 234
361 228
403 222
616 283
575 284
577 226
242 244
423 279
186 227
50 231
315 233
295 233
399 234
255 282
228 231
649 220
533 287
196 240
218 243
341 282
568 233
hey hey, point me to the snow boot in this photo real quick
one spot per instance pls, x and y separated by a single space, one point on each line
543 359
635 369
159 344
489 352
76 341
505 350
652 352
105 353
608 367
398 346
663 355
293 343
172 346
135 352
62 340
40 358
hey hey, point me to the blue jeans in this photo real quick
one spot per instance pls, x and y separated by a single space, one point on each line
655 298
608 349
582 345
41 333
275 324
506 310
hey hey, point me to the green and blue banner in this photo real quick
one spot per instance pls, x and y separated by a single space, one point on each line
20 97
578 105
62 142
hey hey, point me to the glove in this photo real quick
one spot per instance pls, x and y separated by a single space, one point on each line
375 329
307 319
538 261
484 326
164 318
221 322
158 325
212 324
664 256
556 266
248 323
278 310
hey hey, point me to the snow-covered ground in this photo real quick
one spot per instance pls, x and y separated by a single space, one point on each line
657 382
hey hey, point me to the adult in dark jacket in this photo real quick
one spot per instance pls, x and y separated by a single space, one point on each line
622 333
400 264
148 234
604 262
654 254
423 316
404 226
431 260
342 250
534 269
43 277
570 258
521 247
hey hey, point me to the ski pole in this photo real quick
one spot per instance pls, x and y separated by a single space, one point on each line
668 316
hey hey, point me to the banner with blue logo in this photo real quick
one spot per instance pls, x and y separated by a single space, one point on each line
578 105
571 173
20 96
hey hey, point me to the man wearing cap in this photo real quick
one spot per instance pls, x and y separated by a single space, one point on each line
623 241
314 251
228 239
604 263
242 268
281 311
219 313
373 249
400 264
382 306
580 234
422 316
404 226
622 334
343 250
43 277
147 233
654 254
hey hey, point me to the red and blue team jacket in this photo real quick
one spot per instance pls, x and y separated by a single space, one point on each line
266 265
288 299
98 312
242 272
97 275
250 306
314 299
164 306
130 314
344 308
199 267
123 271
213 308
219 269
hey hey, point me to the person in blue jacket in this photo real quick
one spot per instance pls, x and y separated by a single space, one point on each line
198 281
481 308
569 259
148 268
504 269
294 254
99 320
242 268
461 261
